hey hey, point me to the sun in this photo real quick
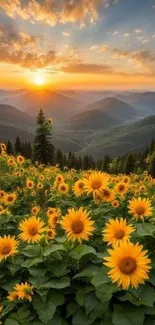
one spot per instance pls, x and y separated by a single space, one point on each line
39 79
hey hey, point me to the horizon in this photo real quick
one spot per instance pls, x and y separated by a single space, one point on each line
90 45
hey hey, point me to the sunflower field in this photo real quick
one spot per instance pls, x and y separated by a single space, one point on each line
76 248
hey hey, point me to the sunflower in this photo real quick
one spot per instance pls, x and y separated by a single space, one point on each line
24 291
12 296
11 161
29 184
126 179
77 225
40 186
2 195
50 233
121 188
59 179
35 210
115 203
95 182
50 121
140 208
78 188
117 231
129 265
32 229
3 146
20 160
8 246
41 177
10 198
53 211
97 198
3 210
107 195
63 188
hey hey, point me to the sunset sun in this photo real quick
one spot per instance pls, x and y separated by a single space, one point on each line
39 79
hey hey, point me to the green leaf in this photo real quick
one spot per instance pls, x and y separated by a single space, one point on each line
100 277
56 283
144 295
54 248
57 298
81 251
45 310
80 318
91 302
80 296
31 262
145 229
72 307
32 251
128 315
89 271
11 322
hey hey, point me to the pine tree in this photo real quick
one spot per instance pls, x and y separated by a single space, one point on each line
151 168
18 146
129 163
43 147
9 148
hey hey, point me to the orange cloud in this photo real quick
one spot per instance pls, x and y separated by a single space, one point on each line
53 11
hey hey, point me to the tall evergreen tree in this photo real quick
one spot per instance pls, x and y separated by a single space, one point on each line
18 146
151 168
129 163
9 148
43 147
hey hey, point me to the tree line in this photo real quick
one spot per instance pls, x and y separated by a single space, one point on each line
43 151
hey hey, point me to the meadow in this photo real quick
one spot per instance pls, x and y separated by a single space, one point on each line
76 247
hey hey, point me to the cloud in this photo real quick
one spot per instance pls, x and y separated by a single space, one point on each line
115 32
53 11
11 37
66 34
127 34
88 68
138 30
104 48
145 41
94 47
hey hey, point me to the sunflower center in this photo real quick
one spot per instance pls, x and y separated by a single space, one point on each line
96 184
10 198
33 230
140 209
77 226
127 265
121 188
106 193
55 218
81 185
5 249
63 188
119 234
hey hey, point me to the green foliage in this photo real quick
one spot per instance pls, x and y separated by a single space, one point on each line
43 148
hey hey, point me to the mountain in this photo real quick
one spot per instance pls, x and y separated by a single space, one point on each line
10 132
144 102
92 120
55 105
11 115
104 113
120 140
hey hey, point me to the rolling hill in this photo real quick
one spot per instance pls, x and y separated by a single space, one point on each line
119 140
104 113
55 105
11 115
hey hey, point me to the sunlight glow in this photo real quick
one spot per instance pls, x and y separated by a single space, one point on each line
39 79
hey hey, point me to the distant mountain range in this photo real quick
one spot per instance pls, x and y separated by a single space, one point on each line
97 123
103 114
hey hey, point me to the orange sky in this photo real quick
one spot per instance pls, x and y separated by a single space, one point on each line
98 44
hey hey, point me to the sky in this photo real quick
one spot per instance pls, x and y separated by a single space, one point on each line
77 44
